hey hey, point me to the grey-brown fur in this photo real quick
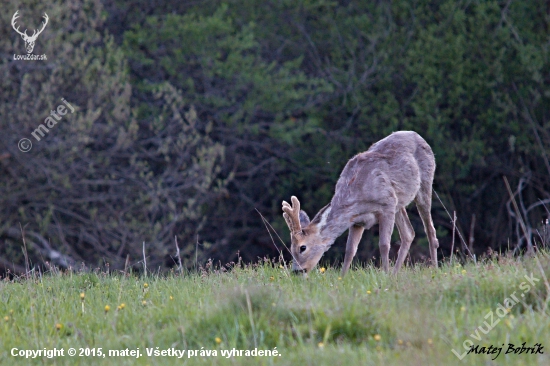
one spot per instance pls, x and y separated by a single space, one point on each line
374 187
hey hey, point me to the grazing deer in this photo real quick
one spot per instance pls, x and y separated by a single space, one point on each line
374 187
29 40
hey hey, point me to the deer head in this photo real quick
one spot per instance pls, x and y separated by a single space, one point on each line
29 40
307 246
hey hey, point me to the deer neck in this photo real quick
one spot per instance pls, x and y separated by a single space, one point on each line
329 226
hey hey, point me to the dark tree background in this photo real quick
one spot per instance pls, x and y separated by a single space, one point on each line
190 116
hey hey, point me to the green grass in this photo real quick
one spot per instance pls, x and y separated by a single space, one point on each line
365 318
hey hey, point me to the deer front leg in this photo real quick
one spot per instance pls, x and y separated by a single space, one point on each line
354 237
406 233
386 222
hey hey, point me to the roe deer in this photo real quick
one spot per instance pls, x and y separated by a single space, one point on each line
374 187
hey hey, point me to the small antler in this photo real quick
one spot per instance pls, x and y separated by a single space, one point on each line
292 215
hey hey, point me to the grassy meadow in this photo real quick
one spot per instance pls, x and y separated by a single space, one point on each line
365 318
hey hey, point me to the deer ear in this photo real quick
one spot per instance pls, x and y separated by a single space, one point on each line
304 219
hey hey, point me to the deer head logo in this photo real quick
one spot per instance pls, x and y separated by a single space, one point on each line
29 40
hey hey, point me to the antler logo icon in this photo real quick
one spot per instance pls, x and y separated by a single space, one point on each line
29 40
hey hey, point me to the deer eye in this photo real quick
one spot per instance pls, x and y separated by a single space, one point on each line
302 248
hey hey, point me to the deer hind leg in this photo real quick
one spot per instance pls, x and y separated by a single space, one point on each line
386 222
406 233
424 205
354 237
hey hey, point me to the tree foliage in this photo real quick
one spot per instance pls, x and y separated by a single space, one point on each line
100 182
192 115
